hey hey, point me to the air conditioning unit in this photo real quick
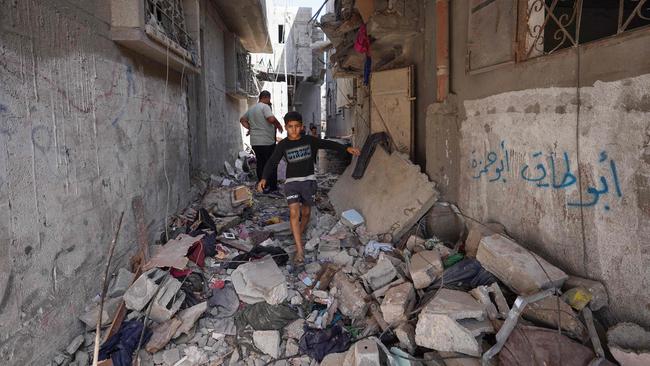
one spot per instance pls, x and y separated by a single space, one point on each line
166 31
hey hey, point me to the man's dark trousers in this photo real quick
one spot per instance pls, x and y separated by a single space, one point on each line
263 153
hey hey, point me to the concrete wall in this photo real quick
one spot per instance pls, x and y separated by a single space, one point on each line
85 126
522 144
308 103
215 130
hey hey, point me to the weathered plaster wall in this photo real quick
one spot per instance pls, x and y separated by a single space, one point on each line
574 187
85 126
215 129
537 111
308 103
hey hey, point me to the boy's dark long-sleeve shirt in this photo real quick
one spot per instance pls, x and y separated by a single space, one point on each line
301 156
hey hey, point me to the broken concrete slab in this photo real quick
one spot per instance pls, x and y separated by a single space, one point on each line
268 341
352 218
173 253
363 352
279 228
171 356
522 270
121 283
478 232
74 345
393 194
598 292
334 359
350 295
168 300
442 323
398 303
425 267
260 281
162 334
492 297
545 312
381 274
188 317
143 289
629 344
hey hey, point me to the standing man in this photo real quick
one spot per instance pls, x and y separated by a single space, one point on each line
261 124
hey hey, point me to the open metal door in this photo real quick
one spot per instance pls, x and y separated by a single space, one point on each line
391 106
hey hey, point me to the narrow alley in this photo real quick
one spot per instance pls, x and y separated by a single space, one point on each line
325 182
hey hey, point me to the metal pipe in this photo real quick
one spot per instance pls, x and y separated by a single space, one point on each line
442 49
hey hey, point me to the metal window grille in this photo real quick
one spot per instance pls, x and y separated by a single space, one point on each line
168 17
546 26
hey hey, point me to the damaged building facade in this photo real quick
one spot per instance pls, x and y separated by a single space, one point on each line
102 102
532 114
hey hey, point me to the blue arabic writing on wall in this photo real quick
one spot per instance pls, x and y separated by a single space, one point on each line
549 171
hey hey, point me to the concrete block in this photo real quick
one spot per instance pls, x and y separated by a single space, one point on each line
82 357
74 345
545 312
121 283
406 335
478 232
143 289
629 344
168 300
351 296
381 274
398 302
523 271
450 322
333 359
110 308
188 317
352 218
171 356
295 329
425 267
363 352
260 281
393 194
595 288
291 348
268 341
491 296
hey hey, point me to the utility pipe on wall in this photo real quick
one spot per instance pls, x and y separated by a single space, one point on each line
442 49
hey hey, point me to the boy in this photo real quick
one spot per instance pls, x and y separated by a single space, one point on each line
300 186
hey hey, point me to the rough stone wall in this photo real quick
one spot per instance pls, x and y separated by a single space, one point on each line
85 126
215 130
569 179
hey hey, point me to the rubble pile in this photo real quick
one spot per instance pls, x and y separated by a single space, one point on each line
219 288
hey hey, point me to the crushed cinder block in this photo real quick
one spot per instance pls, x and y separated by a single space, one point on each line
598 292
393 194
350 295
143 289
629 344
363 352
268 341
168 300
545 312
425 267
381 274
260 281
520 269
491 296
121 283
398 302
352 218
450 322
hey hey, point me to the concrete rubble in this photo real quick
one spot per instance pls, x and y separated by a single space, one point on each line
395 293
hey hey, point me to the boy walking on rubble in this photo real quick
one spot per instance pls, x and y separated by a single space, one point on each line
300 151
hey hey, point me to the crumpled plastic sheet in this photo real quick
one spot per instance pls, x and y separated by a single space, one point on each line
262 316
374 247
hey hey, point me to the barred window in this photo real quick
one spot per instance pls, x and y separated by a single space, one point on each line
168 17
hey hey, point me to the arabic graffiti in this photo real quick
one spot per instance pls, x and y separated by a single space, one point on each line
548 171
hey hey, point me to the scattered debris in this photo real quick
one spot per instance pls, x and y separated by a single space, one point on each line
629 344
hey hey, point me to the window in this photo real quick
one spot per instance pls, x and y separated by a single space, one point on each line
281 34
506 31
168 17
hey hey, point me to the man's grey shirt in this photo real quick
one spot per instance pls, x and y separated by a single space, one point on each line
262 132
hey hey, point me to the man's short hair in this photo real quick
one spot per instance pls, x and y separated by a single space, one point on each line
292 116
265 94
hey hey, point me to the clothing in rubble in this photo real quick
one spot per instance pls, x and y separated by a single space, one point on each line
262 316
464 275
379 138
318 343
121 345
224 301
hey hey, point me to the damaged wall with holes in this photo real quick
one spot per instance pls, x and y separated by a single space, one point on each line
554 147
86 125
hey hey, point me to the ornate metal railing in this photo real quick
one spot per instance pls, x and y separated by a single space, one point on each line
546 26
